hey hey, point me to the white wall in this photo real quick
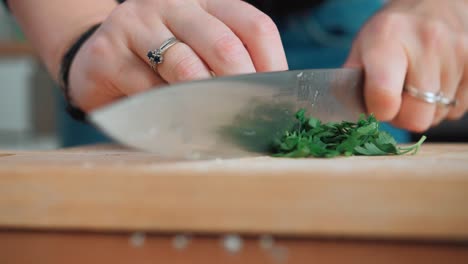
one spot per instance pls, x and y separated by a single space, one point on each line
7 31
15 105
24 115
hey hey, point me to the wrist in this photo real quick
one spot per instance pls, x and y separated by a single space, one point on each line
54 54
64 74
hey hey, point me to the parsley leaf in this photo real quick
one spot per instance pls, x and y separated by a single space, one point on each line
309 137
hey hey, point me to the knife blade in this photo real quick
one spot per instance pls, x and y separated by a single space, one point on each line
229 117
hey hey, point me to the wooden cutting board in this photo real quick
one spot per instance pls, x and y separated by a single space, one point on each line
112 188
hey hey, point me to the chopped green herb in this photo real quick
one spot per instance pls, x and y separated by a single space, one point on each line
310 137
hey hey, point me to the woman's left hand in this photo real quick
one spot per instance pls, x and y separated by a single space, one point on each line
414 43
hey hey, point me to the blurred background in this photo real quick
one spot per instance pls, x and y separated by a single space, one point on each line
27 108
32 115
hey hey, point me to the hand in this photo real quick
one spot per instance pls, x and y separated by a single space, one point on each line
421 43
226 37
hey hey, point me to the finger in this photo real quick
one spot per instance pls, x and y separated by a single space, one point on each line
461 96
256 30
385 65
103 80
131 74
134 76
459 110
211 39
451 75
379 51
424 74
180 63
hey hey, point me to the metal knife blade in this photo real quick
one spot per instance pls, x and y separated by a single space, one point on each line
230 117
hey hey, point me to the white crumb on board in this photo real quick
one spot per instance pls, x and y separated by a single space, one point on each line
280 254
180 242
137 239
88 165
266 242
232 243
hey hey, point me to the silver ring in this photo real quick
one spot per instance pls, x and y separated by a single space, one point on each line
156 56
430 97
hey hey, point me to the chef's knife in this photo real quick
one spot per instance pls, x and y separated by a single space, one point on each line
227 117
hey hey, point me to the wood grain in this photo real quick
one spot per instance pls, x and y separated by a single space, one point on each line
110 188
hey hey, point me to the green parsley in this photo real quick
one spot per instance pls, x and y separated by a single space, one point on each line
309 137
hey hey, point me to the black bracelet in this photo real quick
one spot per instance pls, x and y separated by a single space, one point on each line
75 112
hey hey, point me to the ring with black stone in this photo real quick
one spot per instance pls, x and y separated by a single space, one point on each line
156 56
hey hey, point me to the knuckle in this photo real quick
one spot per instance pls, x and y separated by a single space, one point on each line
188 68
262 24
229 49
388 23
433 34
97 49
98 45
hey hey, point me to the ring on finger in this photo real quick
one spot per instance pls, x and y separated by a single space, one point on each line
430 97
156 56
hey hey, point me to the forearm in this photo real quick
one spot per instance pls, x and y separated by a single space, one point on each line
53 25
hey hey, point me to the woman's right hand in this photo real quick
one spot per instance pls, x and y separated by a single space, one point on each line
226 37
